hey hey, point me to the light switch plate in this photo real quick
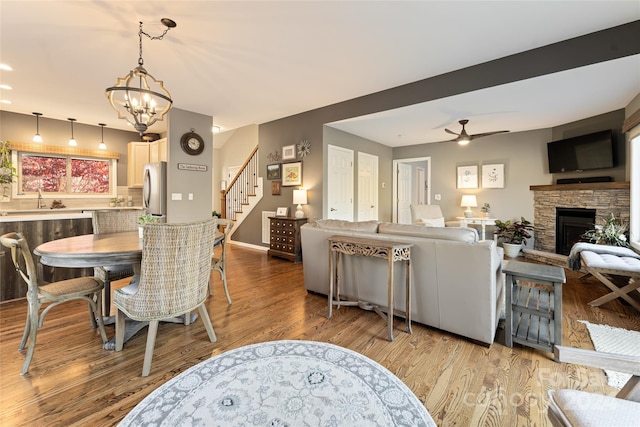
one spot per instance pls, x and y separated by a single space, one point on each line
176 196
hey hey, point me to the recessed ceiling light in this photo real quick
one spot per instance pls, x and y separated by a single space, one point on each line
7 87
5 67
215 129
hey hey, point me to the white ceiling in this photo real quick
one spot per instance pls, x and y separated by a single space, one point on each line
252 62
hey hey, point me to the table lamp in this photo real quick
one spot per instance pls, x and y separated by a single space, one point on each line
469 201
299 198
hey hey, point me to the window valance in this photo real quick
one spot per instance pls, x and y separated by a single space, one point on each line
58 149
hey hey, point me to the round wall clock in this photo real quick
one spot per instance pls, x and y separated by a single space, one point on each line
192 143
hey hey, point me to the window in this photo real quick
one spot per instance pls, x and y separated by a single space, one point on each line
65 175
635 185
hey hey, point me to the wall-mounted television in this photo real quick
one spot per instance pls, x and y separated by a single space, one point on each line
585 152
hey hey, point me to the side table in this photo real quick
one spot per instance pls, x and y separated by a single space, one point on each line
533 305
390 251
464 222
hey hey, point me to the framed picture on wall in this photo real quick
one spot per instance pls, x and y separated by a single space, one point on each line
291 174
468 176
273 171
493 176
282 211
275 188
289 152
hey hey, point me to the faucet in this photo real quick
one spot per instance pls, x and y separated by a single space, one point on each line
41 203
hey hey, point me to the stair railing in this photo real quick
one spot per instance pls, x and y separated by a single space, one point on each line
241 187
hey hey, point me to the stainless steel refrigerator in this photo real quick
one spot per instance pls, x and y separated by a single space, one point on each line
154 188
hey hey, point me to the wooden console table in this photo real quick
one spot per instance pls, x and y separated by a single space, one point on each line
390 251
533 305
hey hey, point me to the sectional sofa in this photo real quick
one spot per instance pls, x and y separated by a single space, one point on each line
457 279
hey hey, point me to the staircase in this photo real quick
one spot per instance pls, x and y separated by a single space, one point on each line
243 193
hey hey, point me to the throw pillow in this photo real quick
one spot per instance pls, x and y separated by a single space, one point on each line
433 222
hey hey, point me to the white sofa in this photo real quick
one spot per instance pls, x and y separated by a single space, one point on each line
457 280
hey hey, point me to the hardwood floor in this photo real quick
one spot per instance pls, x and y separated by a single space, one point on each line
72 381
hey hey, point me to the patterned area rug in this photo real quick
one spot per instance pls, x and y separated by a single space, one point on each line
283 383
614 340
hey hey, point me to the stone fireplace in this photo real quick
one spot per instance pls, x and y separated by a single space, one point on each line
602 197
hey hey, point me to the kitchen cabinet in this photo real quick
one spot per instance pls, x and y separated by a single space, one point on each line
138 155
158 150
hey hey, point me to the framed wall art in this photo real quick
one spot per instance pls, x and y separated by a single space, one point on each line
468 176
275 188
282 211
291 174
273 171
493 176
289 152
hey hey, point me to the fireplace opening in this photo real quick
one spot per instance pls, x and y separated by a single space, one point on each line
571 224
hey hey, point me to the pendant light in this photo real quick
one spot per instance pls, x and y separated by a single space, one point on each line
37 137
102 145
72 141
138 97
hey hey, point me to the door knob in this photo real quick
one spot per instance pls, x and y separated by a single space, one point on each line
333 209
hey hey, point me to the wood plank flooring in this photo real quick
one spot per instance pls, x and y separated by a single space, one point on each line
72 381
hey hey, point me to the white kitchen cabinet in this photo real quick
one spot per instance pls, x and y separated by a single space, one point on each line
158 150
138 155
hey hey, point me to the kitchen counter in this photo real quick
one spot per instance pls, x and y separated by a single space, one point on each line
53 214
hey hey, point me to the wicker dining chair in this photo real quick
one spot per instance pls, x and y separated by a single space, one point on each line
88 289
174 280
219 264
114 221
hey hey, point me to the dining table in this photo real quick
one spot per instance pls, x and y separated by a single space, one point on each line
96 250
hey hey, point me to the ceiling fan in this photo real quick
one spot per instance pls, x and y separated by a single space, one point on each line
463 138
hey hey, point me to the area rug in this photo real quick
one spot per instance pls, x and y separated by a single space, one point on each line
614 340
283 383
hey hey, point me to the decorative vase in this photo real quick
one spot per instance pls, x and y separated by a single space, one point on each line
512 249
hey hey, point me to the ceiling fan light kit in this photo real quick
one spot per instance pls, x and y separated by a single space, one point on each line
138 97
463 138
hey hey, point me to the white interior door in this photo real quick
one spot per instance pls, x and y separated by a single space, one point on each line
367 187
339 183
420 186
404 193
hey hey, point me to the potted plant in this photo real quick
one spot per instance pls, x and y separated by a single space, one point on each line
486 208
7 170
145 219
513 235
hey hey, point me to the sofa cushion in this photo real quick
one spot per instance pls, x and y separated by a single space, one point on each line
466 235
339 224
433 222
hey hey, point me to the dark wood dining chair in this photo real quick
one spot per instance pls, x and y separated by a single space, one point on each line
88 289
174 280
113 221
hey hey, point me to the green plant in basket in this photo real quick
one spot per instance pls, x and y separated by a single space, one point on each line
147 219
612 231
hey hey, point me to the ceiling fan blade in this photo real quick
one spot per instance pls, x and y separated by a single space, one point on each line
480 135
451 132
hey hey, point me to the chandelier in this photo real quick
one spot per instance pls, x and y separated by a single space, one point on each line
138 97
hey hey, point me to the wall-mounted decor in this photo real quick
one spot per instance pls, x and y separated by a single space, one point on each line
291 174
274 157
304 148
289 152
493 176
468 176
275 188
273 171
282 211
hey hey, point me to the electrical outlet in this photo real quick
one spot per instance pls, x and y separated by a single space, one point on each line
438 197
190 196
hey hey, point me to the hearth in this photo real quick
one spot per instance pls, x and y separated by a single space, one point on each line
571 224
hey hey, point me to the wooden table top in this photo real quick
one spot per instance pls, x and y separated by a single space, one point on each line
92 250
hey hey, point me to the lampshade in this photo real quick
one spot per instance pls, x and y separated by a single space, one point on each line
299 197
469 201
138 97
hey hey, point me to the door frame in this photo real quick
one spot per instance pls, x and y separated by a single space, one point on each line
394 203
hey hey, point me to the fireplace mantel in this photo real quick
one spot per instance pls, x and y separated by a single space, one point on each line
582 186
